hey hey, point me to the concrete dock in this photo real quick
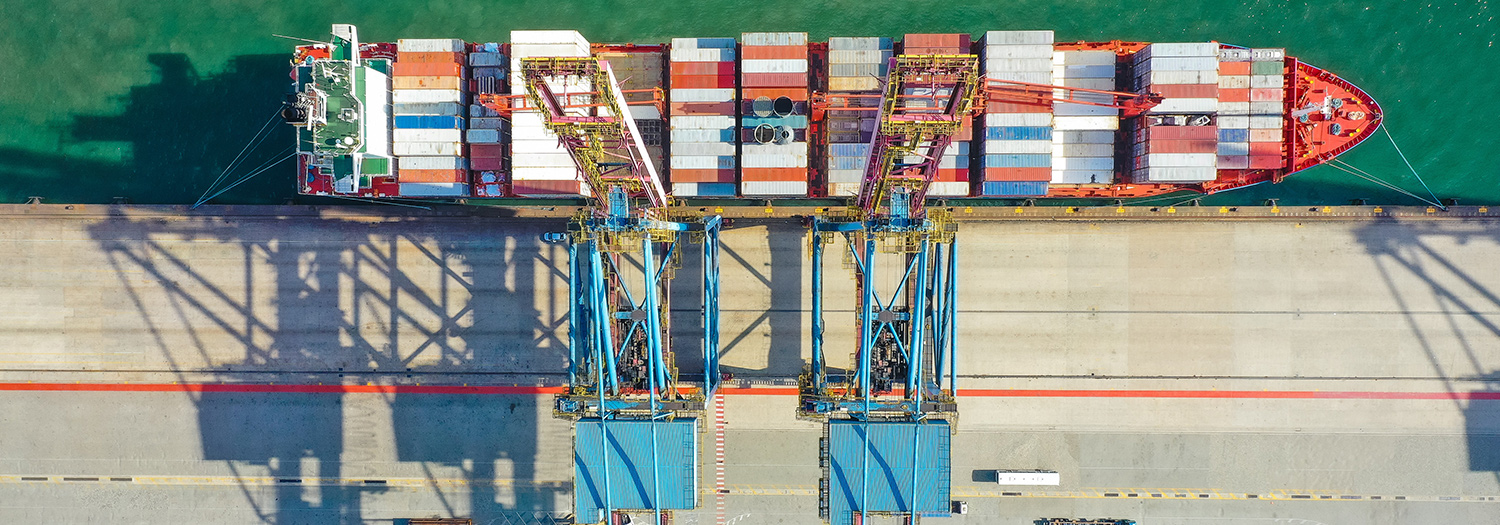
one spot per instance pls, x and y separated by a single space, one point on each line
280 365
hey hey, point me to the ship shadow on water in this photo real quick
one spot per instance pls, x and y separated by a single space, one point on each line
171 139
357 302
1468 366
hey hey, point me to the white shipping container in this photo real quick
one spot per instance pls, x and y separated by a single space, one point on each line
702 148
543 173
433 163
1234 121
685 135
407 96
1083 176
1234 82
434 189
1266 108
543 160
1267 81
948 189
752 187
1018 51
1028 65
1182 174
1084 58
1179 64
756 65
1102 72
1030 77
1084 163
1234 108
1013 147
996 120
403 149
774 161
702 162
846 176
702 95
1017 37
702 121
427 135
1083 137
430 45
774 39
859 56
1085 123
644 112
1263 122
1178 77
1189 49
1082 150
796 148
1064 109
544 50
1172 160
1186 105
843 189
519 38
1238 162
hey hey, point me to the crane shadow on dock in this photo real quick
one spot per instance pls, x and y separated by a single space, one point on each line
1462 341
391 301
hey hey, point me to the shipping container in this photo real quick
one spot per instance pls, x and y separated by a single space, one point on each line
402 149
433 189
1014 189
427 69
693 189
451 45
1082 176
433 175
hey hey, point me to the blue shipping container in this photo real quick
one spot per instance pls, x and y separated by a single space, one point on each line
1234 135
847 163
1018 161
716 189
1018 133
849 150
1014 189
428 122
794 121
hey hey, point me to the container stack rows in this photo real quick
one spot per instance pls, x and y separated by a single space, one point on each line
1176 142
774 109
641 69
1018 137
953 170
702 117
488 131
428 94
1083 136
540 166
855 66
1251 108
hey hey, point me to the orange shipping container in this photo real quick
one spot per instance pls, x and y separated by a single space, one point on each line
774 174
703 176
702 81
703 68
952 175
432 176
1018 174
1265 95
773 52
1234 68
428 83
703 108
436 57
1008 107
1265 148
1234 95
427 69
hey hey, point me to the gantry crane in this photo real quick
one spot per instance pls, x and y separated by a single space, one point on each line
635 436
886 441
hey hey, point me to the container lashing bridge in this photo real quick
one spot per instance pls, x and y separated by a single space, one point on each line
635 445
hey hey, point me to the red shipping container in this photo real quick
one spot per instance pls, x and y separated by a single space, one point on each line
1265 148
702 108
1266 161
947 40
773 52
1009 107
773 80
1018 174
702 68
934 51
436 57
702 176
1186 90
773 174
1266 94
952 175
796 94
1183 146
486 151
546 187
702 81
486 163
1234 95
427 69
432 176
1234 68
1183 133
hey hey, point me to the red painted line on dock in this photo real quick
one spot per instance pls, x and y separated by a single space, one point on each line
263 388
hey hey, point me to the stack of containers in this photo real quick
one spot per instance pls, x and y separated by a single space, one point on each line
487 130
773 105
702 119
428 94
1177 142
953 170
1234 108
1083 140
855 66
540 166
1017 137
1267 109
641 69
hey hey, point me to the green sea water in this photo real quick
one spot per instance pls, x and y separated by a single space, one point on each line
150 101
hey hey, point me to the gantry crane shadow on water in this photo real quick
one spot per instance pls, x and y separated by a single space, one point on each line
1463 344
355 302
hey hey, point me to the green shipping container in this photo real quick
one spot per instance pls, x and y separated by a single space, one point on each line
1266 68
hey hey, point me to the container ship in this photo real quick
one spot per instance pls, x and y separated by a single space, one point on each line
778 116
